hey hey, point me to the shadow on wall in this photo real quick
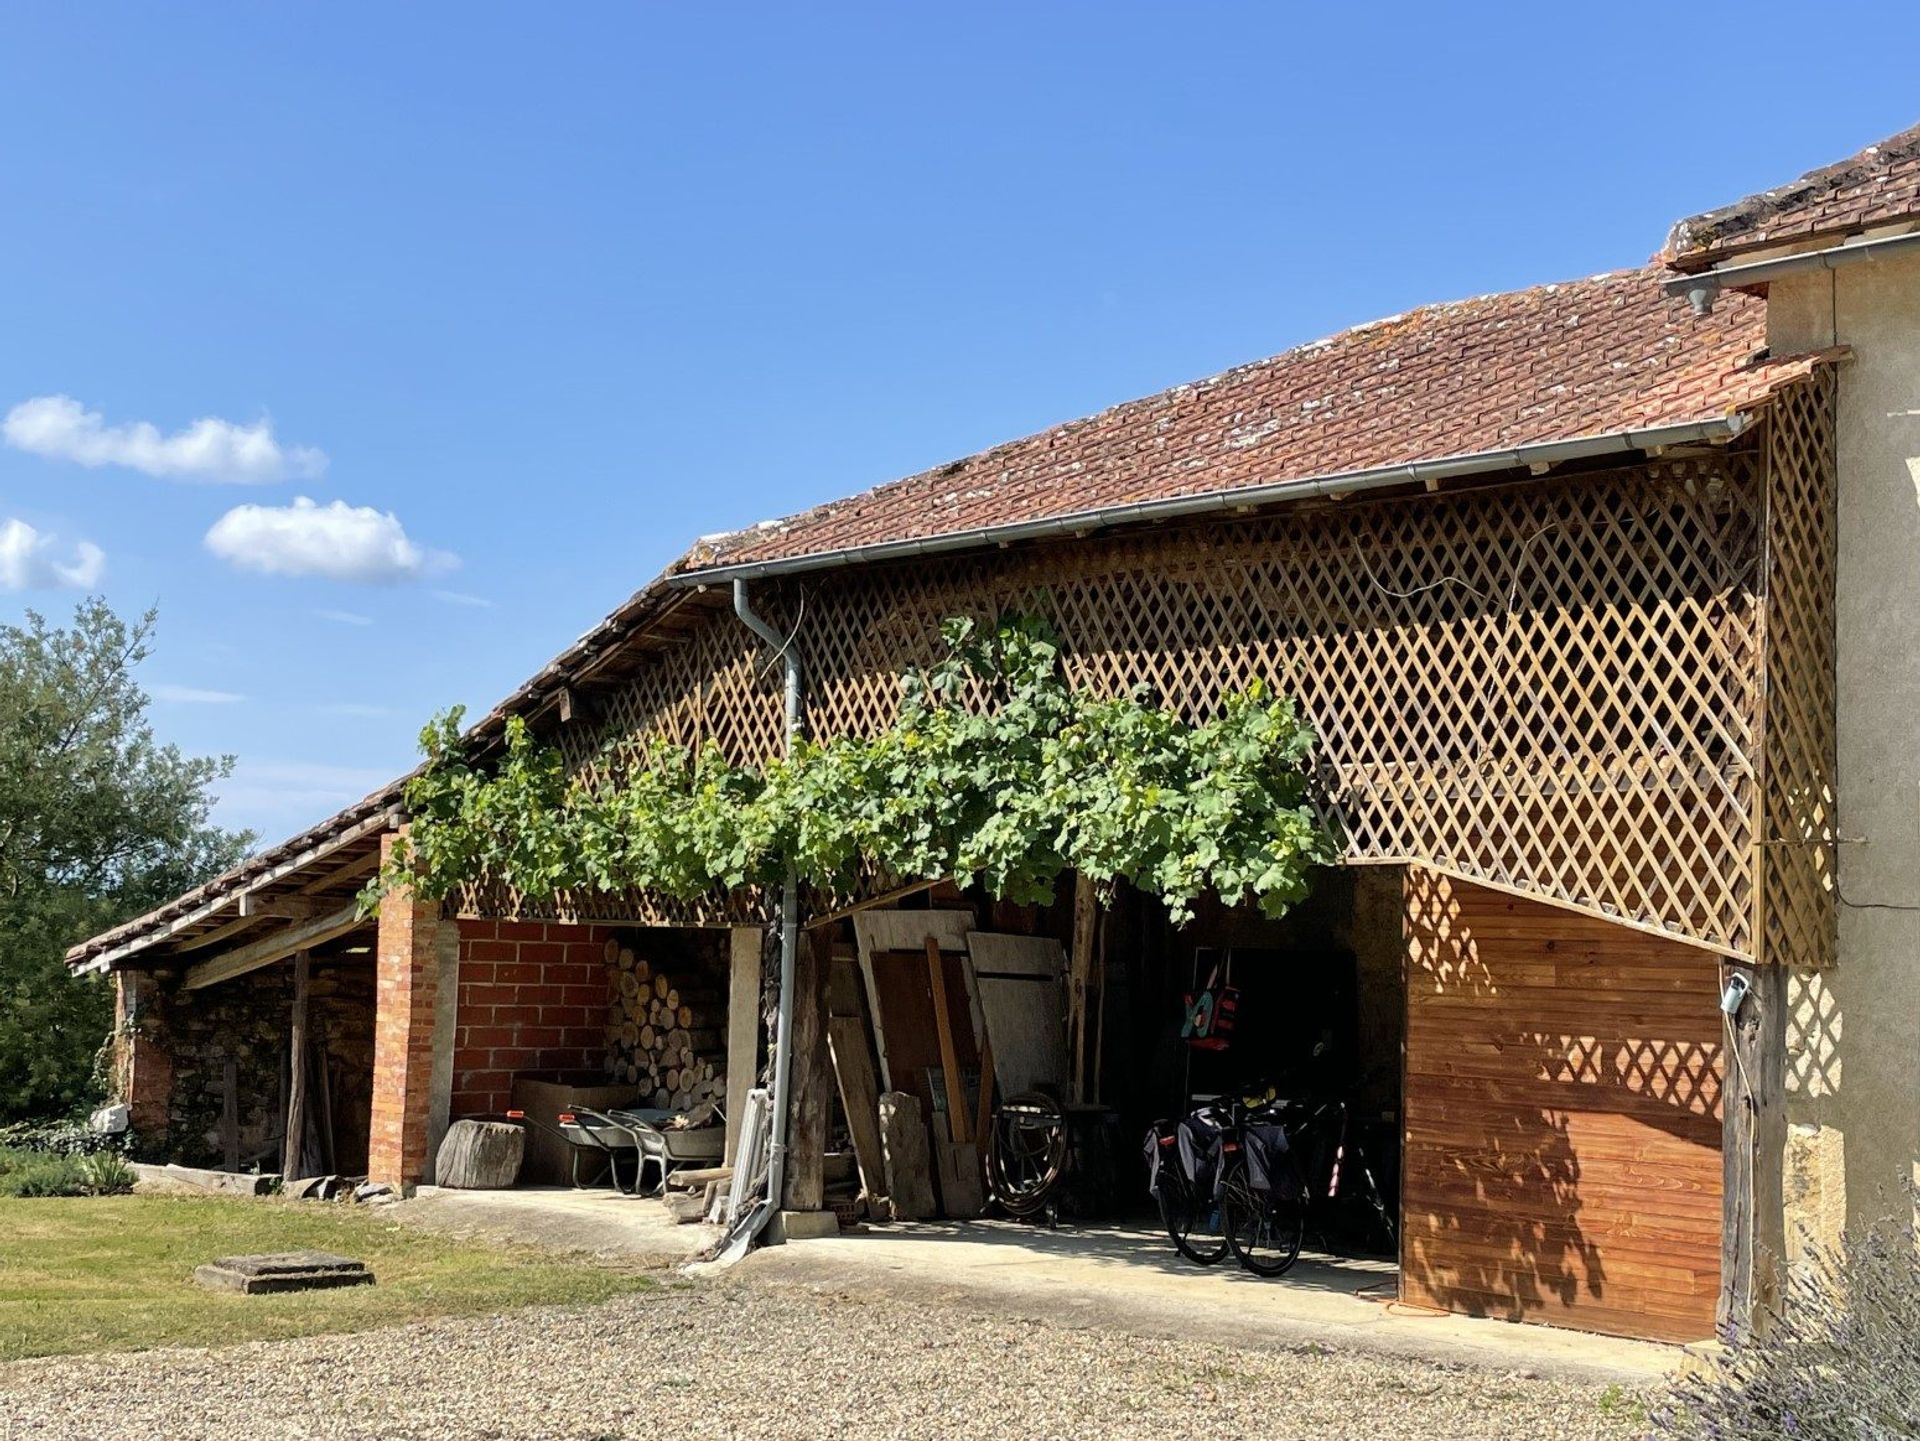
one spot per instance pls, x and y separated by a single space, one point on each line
1562 1112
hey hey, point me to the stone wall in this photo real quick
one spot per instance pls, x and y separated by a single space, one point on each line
176 1045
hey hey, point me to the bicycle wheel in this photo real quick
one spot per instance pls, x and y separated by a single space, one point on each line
1192 1222
1264 1228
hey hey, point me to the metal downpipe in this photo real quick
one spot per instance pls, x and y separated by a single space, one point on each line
789 937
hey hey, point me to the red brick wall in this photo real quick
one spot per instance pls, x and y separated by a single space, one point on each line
533 997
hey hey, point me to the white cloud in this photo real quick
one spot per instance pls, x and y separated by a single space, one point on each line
335 541
345 617
192 695
460 597
61 428
29 560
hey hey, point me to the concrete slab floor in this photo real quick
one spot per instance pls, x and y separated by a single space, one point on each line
1129 1277
633 1228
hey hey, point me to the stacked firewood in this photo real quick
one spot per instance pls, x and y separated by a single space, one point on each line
666 1039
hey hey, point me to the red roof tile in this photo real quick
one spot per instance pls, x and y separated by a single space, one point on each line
1558 362
1879 186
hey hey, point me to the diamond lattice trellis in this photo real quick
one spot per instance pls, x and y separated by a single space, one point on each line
1560 686
1799 919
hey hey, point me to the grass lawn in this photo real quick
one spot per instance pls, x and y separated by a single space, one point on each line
114 1273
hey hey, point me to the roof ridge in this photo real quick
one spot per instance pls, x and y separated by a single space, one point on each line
1692 241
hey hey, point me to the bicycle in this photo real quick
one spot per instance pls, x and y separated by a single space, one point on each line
1182 1163
1271 1181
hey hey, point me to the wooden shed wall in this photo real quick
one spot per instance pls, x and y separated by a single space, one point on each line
1562 1110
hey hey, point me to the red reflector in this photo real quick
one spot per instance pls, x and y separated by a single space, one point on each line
566 1118
516 1115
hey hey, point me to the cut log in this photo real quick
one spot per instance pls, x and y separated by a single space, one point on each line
480 1156
697 1178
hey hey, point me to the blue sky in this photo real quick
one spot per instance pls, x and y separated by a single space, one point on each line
561 289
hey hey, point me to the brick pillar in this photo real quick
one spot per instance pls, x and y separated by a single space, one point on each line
416 967
142 1062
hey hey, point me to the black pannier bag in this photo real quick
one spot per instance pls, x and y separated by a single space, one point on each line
1269 1166
1200 1151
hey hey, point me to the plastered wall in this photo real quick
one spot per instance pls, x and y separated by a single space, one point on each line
1854 1033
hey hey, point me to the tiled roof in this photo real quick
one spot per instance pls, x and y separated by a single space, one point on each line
1879 186
1557 362
1560 362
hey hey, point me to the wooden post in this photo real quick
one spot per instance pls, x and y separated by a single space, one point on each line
292 1153
958 1130
1753 1136
1079 971
743 1028
230 1113
809 1102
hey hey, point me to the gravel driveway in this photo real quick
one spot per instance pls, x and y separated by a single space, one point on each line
738 1359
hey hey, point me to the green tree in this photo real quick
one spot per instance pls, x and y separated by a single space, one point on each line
98 822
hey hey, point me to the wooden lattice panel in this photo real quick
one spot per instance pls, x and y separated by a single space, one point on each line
1549 686
1553 686
1796 862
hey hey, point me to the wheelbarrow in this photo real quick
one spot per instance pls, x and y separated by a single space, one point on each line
603 1144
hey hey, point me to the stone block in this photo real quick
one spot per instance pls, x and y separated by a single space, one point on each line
283 1271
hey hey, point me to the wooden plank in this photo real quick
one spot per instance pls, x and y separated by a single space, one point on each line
880 930
293 1152
959 1129
276 947
743 1028
849 1042
859 1098
1020 983
983 1108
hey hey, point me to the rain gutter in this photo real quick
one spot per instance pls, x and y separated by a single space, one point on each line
789 940
1704 288
1532 457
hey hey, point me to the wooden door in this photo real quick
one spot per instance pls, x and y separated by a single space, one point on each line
1562 1113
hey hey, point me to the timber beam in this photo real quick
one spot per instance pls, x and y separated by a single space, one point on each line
275 947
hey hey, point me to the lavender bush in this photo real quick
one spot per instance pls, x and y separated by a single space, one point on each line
1842 1363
